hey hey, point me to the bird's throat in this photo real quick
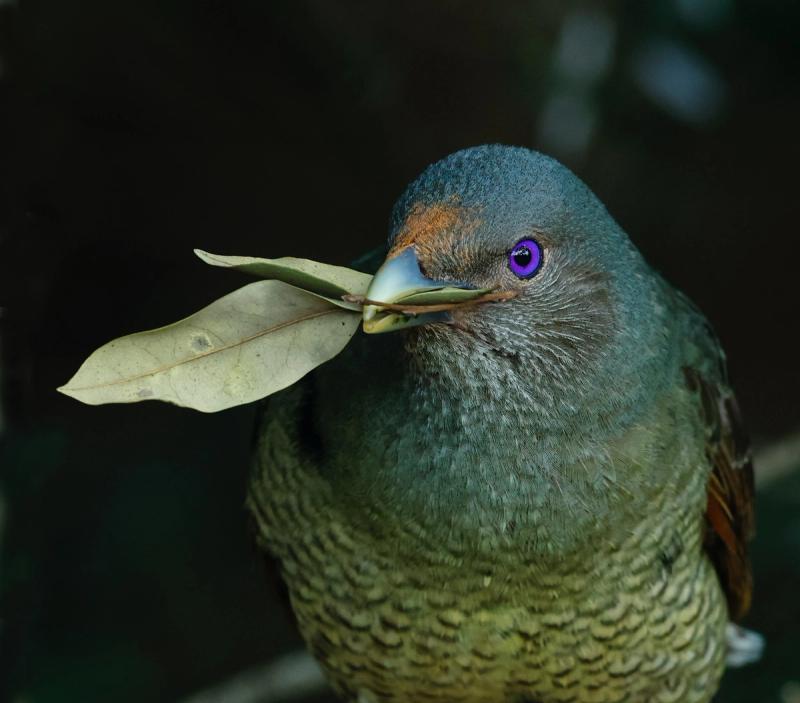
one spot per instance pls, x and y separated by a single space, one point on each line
467 452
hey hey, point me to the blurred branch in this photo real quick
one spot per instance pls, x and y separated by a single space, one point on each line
288 678
778 459
297 674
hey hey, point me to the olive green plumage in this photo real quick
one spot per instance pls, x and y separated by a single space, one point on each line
509 503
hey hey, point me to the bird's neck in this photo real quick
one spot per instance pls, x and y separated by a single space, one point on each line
469 450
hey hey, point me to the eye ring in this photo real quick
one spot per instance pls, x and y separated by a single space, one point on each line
526 258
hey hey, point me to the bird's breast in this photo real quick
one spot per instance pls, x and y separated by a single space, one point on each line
397 613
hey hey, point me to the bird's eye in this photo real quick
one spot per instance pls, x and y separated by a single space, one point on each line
525 259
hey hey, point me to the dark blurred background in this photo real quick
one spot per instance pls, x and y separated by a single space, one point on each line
132 131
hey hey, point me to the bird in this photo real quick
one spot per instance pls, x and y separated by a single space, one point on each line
546 497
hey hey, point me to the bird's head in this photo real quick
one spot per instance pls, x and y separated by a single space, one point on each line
507 409
572 289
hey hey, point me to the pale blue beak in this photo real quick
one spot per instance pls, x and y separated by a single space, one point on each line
397 280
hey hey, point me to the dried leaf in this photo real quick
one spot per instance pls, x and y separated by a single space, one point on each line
243 347
322 279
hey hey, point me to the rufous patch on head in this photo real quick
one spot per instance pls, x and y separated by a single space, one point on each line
425 223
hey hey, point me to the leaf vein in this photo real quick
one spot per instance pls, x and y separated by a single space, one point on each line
237 343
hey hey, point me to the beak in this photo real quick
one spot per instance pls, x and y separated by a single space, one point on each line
399 280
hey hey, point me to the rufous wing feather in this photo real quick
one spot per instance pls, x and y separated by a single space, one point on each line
730 518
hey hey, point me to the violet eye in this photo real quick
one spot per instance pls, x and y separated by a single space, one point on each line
525 258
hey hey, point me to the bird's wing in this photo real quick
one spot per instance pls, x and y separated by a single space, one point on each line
730 517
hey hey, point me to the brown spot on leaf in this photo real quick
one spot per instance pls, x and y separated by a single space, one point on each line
201 342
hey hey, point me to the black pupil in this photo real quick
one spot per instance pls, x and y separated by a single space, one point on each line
522 256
